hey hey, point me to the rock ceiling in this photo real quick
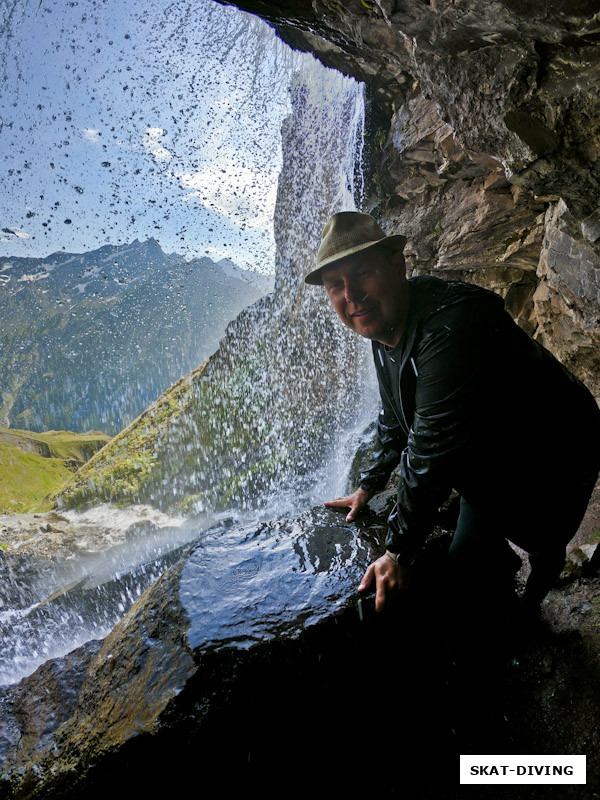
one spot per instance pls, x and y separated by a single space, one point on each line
483 144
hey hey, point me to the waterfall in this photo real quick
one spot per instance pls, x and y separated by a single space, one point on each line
271 422
288 382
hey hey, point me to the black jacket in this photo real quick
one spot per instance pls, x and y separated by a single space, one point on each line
479 407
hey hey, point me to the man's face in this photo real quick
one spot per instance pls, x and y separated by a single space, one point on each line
369 293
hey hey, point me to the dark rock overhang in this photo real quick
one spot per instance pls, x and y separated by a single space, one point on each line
483 144
507 76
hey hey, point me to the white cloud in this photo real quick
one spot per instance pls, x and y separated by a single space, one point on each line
217 253
91 134
153 146
245 197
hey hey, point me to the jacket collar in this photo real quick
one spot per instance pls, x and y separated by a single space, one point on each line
429 295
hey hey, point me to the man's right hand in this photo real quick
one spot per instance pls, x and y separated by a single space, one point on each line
390 578
355 502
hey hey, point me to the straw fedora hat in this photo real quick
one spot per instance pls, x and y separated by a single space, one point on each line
347 233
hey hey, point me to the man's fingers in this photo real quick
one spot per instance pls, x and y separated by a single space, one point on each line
355 502
367 578
339 502
380 595
389 579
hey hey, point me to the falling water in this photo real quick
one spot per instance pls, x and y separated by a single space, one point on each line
270 426
267 416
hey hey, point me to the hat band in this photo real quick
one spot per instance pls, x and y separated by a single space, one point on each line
348 251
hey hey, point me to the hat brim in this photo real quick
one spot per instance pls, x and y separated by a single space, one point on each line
395 242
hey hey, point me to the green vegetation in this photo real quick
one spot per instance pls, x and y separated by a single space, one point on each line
61 444
35 466
380 138
265 467
224 435
122 471
27 478
189 448
52 350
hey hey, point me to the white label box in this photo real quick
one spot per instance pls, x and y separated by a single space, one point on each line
522 769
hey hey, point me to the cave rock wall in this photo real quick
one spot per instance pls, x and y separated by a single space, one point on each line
483 144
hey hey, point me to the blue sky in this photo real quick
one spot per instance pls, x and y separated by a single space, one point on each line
124 120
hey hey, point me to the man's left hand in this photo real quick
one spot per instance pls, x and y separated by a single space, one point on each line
390 578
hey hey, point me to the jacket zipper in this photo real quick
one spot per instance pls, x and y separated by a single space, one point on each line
402 422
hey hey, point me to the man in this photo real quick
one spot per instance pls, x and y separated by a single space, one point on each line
469 402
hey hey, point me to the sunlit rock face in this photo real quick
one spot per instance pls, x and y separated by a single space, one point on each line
488 136
291 358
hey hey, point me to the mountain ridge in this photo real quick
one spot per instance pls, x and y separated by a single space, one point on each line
90 340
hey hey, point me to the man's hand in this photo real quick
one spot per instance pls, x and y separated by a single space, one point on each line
389 579
355 502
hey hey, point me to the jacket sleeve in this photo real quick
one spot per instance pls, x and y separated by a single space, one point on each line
389 443
452 361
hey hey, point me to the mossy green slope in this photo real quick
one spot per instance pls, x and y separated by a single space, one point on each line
125 470
235 430
35 466
78 447
27 478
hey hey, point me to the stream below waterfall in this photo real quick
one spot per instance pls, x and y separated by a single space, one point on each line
70 576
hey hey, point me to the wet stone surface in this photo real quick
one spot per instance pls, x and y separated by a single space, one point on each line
59 589
246 662
257 583
225 655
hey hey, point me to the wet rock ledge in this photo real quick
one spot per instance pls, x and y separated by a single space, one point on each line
208 669
246 663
